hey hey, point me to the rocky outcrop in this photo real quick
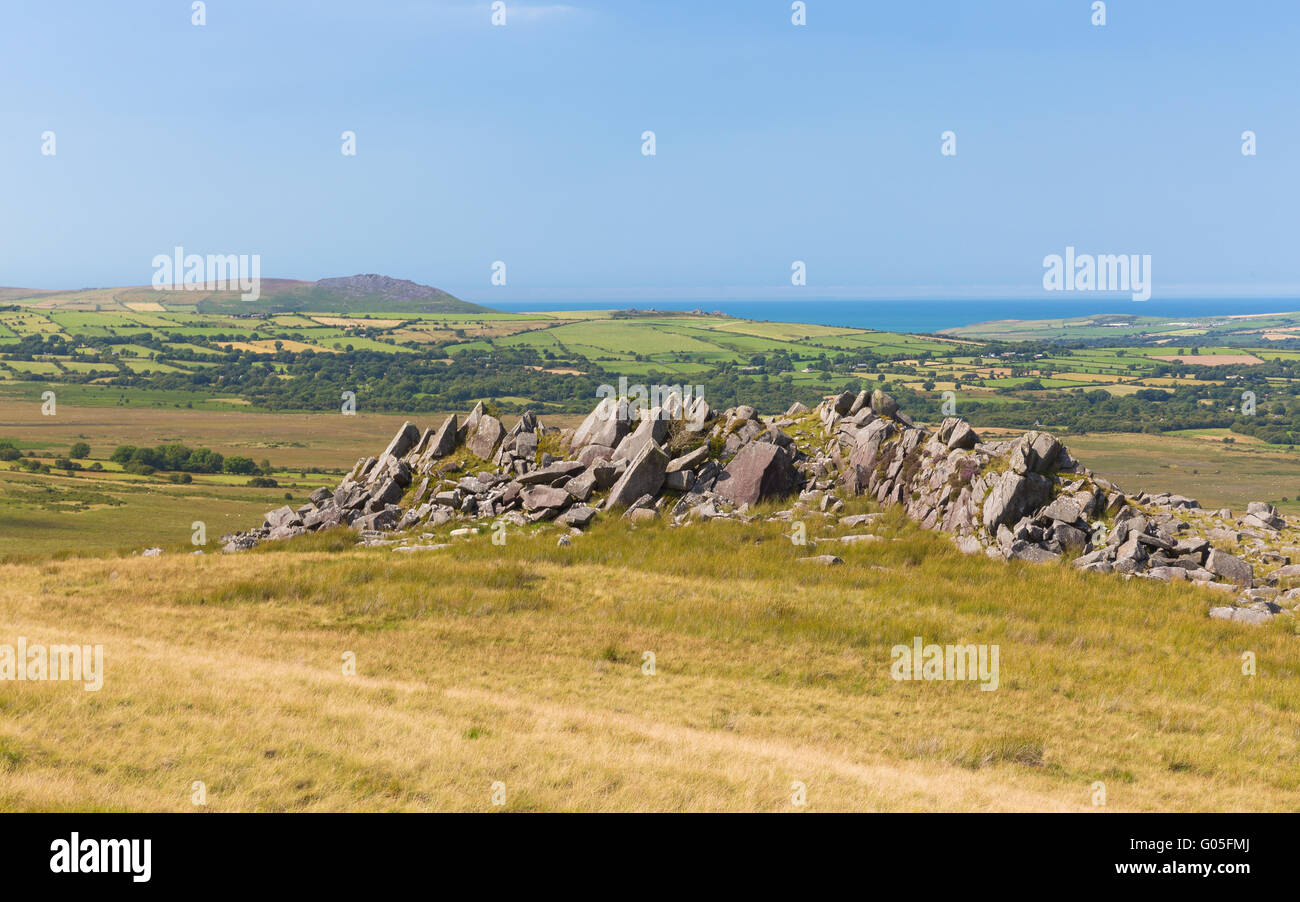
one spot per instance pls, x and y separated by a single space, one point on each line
1024 498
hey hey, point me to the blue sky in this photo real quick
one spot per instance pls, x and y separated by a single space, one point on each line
775 143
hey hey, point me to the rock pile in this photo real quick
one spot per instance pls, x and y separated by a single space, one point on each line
1026 498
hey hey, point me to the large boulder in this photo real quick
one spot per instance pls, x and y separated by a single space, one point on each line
883 403
1013 496
282 516
690 460
1224 565
1262 515
486 436
761 470
403 442
544 497
653 428
643 476
554 473
444 440
471 422
603 426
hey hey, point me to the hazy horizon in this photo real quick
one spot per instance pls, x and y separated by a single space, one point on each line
774 143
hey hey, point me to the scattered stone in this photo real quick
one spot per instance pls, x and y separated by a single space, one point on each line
825 560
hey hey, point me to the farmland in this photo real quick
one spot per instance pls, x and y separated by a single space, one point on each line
146 370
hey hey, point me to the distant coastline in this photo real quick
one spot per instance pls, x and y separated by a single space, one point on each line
926 315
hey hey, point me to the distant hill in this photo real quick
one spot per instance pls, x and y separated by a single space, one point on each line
362 293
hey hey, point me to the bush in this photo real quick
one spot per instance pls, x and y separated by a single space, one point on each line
79 451
239 466
263 482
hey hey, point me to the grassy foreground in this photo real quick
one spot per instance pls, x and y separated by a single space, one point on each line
522 665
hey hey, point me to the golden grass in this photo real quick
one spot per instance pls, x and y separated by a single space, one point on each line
523 664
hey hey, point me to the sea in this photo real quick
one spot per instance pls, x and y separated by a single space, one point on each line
913 315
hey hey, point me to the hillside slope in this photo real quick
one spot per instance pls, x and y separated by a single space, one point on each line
525 663
363 293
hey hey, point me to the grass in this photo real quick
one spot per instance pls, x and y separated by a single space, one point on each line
524 664
1197 464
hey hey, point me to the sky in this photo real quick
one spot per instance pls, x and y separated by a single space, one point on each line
774 143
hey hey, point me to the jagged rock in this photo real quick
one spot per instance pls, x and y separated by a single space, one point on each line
549 475
1071 538
1066 510
444 440
592 453
581 486
759 471
963 437
1013 496
679 480
323 518
858 520
282 516
402 442
652 428
384 519
487 434
1222 564
867 447
1263 516
690 460
389 492
883 403
603 426
468 427
1287 572
644 475
1024 551
995 496
544 497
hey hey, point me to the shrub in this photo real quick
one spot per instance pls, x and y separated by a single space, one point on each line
239 466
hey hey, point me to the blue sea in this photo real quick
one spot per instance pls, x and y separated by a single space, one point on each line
927 315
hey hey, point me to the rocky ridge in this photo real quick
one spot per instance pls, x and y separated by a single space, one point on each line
1026 499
